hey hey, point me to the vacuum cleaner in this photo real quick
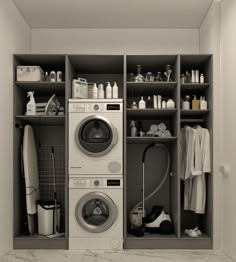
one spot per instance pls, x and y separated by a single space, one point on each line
157 221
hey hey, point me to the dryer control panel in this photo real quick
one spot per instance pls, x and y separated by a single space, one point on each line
95 105
95 182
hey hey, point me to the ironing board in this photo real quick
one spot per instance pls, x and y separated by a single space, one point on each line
31 176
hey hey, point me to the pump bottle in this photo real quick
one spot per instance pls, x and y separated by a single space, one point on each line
115 91
95 91
100 91
108 90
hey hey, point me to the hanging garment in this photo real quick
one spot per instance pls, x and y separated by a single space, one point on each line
190 153
195 181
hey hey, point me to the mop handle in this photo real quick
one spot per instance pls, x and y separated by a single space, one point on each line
53 172
143 190
54 188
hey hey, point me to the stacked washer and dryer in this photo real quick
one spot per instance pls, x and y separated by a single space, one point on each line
95 174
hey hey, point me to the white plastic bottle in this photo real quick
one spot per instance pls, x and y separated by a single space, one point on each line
108 90
95 91
101 91
197 80
203 104
193 77
133 131
141 103
31 105
163 104
202 79
115 91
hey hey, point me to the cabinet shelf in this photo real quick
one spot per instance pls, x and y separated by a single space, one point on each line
203 236
194 112
43 88
150 113
46 120
194 87
150 88
149 140
167 241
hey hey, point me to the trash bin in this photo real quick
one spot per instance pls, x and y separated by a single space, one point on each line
48 218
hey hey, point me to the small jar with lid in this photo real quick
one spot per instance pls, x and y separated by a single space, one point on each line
134 105
159 77
131 77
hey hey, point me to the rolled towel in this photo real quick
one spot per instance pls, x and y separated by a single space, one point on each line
154 128
166 133
162 127
150 133
158 133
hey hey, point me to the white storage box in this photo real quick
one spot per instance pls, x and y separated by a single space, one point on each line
29 73
47 220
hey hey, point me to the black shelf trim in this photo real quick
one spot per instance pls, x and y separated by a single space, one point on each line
47 88
157 83
194 112
148 140
150 112
47 120
191 120
194 86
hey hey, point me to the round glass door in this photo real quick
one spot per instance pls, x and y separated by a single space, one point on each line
96 212
96 136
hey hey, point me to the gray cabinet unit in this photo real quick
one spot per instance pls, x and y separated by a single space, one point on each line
170 195
48 131
53 131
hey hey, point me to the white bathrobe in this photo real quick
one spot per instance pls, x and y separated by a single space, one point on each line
195 162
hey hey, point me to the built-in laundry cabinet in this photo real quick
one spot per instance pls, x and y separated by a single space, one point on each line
53 131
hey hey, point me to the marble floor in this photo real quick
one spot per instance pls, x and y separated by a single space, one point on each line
116 256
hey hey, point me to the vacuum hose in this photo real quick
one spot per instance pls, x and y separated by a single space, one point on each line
162 182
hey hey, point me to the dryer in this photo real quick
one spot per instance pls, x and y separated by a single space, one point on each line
95 137
96 213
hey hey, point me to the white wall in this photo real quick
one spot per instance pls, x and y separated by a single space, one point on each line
228 122
15 38
210 43
115 41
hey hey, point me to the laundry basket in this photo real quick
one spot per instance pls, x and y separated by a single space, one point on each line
48 218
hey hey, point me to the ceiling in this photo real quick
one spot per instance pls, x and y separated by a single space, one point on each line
113 13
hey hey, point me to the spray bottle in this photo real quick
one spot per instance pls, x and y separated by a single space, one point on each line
31 105
133 129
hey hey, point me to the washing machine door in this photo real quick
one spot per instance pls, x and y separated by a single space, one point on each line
96 212
96 136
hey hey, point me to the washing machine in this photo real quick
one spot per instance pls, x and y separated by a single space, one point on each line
96 213
95 137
